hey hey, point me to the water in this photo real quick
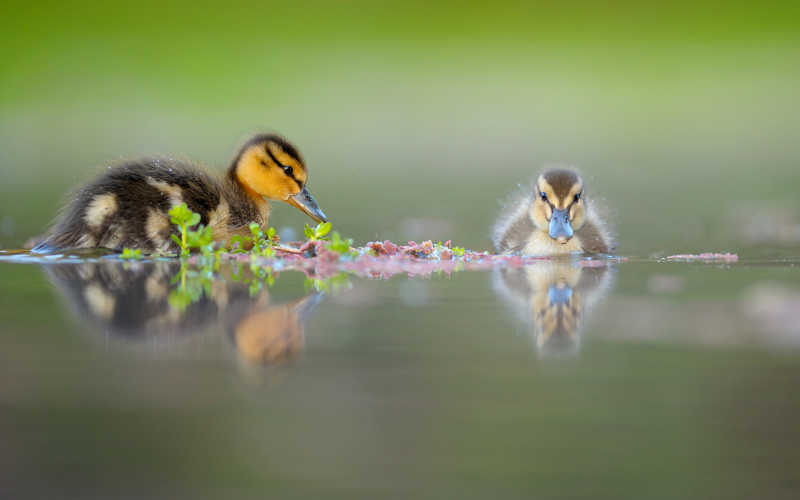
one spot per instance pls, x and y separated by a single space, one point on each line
618 379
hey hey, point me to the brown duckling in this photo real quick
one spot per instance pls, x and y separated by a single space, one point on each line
554 219
134 302
128 205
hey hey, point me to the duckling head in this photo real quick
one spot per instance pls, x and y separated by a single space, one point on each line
270 167
558 207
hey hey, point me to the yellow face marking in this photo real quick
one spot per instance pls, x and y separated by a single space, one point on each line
559 203
101 206
299 170
263 177
547 189
100 302
576 188
542 211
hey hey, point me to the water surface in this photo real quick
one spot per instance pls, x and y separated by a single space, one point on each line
619 379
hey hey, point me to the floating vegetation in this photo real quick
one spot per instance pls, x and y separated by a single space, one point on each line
130 253
325 257
705 257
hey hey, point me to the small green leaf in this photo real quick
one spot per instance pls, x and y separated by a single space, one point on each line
180 214
308 232
176 239
254 288
202 237
130 253
193 219
337 244
322 229
241 241
179 300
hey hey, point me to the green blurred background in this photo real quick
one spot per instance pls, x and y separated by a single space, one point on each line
416 118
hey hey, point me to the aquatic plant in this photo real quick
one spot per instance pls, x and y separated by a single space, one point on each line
181 216
131 253
324 254
331 284
338 244
192 284
262 243
317 233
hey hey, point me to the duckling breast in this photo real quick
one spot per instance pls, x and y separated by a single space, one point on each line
540 243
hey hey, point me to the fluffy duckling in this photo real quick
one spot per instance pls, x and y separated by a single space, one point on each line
552 298
128 205
555 219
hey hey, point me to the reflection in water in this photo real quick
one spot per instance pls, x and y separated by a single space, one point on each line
165 299
552 298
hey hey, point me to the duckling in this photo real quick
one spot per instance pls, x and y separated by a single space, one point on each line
133 302
555 219
128 205
274 333
553 298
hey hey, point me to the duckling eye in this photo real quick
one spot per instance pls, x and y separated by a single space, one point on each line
577 197
288 170
543 196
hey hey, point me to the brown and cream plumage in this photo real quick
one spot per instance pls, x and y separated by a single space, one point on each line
128 205
133 302
554 219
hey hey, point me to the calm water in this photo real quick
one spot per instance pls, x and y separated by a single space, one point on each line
634 379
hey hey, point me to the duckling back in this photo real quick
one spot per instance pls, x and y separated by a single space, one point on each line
128 207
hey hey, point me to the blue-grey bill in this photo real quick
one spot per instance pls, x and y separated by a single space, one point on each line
560 226
559 295
308 205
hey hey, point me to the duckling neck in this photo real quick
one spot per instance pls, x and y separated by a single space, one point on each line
247 193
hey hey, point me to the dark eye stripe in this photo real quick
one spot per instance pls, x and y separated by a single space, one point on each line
287 169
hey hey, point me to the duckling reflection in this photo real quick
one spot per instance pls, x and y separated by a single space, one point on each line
265 335
552 298
139 301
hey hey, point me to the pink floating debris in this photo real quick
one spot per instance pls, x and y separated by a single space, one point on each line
383 259
706 257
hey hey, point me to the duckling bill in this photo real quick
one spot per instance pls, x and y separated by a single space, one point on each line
555 218
128 206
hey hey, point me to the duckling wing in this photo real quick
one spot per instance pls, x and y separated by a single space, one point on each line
513 227
593 238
